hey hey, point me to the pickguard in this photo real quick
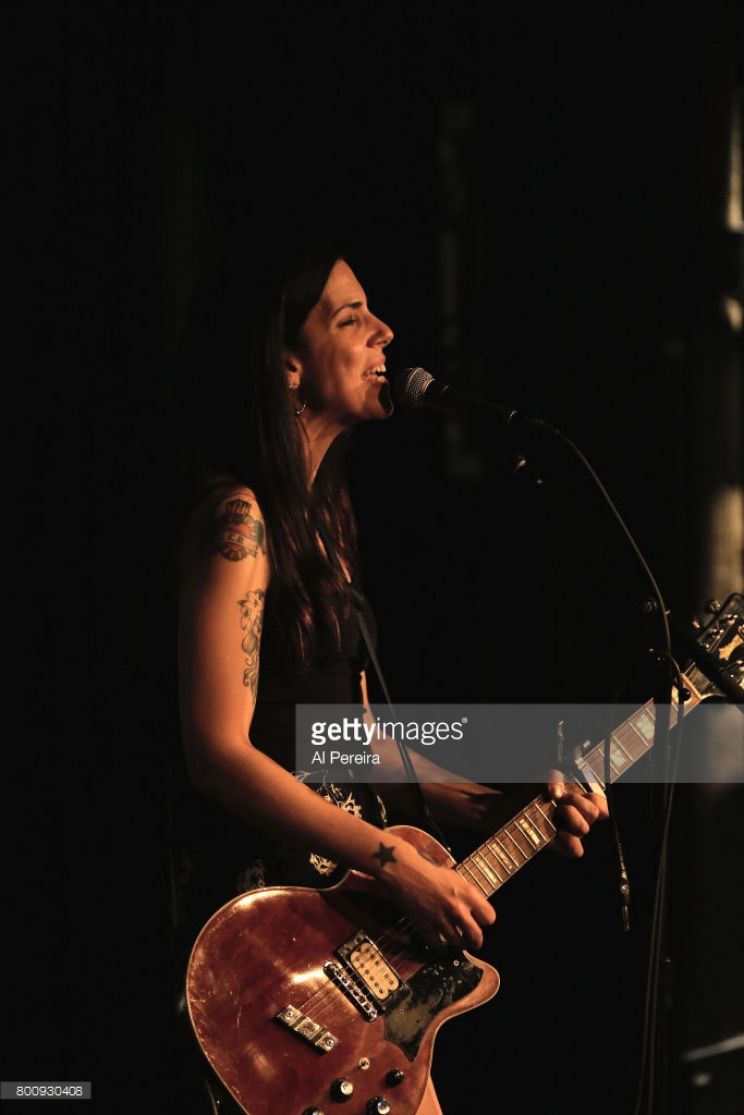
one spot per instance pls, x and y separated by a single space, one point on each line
430 991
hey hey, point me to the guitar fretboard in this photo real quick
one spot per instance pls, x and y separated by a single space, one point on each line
533 828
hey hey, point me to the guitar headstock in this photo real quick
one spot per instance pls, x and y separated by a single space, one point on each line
719 658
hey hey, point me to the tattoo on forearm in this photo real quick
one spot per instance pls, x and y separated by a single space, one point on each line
237 534
385 854
251 621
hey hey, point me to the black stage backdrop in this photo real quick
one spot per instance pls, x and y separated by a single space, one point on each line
532 198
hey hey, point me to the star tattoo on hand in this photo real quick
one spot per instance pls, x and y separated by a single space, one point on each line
385 854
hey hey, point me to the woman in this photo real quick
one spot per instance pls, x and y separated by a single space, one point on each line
269 545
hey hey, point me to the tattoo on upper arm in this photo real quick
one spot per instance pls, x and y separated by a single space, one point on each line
237 534
251 621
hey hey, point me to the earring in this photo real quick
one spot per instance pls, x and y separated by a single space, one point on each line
293 387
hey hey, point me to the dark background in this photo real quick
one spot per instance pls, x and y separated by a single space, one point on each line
536 203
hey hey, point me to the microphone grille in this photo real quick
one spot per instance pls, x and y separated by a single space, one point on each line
408 388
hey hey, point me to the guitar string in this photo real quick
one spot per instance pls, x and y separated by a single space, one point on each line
409 951
328 989
387 945
391 950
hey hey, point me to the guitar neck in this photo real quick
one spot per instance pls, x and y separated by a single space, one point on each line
533 827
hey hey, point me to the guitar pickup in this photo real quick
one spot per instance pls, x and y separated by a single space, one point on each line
370 969
304 1027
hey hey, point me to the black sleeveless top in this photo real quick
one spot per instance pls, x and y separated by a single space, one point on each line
217 855
331 678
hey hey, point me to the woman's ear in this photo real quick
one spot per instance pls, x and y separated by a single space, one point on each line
292 368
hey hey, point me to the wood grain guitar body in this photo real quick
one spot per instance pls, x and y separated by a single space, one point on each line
310 1000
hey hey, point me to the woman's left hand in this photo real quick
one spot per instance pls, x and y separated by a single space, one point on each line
575 814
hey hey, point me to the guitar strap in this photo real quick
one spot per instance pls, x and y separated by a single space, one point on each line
358 602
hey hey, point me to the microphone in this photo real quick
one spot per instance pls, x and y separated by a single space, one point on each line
415 387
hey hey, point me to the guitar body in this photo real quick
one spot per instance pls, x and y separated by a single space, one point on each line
303 998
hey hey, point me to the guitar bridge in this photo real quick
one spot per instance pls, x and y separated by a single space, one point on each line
351 989
304 1027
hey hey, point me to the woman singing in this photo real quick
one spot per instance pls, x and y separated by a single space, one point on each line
266 561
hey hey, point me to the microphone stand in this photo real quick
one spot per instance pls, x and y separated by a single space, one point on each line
418 388
655 1037
649 1099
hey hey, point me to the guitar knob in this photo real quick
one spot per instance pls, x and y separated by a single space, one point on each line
395 1077
313 1111
378 1106
342 1090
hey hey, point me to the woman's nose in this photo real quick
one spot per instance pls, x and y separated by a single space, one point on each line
383 334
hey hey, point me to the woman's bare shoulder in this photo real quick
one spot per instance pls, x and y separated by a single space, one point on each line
225 519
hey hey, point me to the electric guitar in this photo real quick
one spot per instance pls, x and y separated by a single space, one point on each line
303 1000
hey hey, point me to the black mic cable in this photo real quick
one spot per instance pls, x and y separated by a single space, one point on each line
417 388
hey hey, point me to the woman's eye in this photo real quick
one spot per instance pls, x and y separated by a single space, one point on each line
348 321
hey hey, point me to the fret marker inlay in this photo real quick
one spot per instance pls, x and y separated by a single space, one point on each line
529 831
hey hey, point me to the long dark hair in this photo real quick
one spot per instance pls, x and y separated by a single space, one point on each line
237 420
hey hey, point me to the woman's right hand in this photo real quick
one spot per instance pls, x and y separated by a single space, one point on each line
444 907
